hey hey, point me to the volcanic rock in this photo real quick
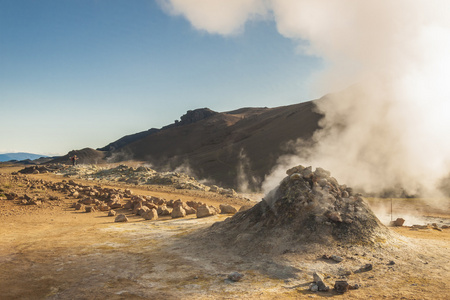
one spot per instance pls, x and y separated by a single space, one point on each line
151 214
163 211
235 276
399 222
341 286
178 212
141 211
89 209
300 212
227 209
103 207
205 211
121 218
318 280
11 196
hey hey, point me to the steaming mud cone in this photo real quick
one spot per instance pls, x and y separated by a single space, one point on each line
306 208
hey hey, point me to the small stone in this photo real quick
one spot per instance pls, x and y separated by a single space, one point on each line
178 212
341 286
313 287
103 207
336 258
227 209
163 210
365 268
121 218
319 282
398 223
205 211
354 287
112 213
89 209
116 205
151 214
235 276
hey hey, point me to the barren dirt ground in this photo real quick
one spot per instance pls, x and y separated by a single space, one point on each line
54 252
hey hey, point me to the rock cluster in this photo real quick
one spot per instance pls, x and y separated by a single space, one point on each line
137 176
38 169
307 207
97 198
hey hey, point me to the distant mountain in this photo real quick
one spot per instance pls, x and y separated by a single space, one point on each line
227 147
20 156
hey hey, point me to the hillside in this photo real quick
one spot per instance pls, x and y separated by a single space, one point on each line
85 156
223 147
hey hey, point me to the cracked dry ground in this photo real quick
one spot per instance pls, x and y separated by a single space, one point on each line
54 252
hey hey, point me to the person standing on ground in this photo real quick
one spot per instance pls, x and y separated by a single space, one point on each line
74 160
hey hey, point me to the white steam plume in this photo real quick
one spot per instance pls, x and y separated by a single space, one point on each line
216 16
391 126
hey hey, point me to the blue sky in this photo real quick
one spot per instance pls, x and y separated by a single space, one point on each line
77 74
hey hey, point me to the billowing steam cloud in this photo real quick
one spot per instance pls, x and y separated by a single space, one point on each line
216 16
390 60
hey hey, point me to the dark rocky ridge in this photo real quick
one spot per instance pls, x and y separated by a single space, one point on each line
223 147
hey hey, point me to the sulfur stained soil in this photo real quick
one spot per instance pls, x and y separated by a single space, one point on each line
52 251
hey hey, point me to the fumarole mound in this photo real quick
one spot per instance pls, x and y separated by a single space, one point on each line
308 207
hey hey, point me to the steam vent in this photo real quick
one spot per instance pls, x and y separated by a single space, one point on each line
306 208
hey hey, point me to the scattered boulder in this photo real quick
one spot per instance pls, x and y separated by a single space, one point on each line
121 218
141 211
178 212
227 209
151 214
34 202
89 209
112 213
235 276
163 211
365 268
11 196
103 207
205 211
87 201
318 280
398 223
341 286
116 205
336 258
